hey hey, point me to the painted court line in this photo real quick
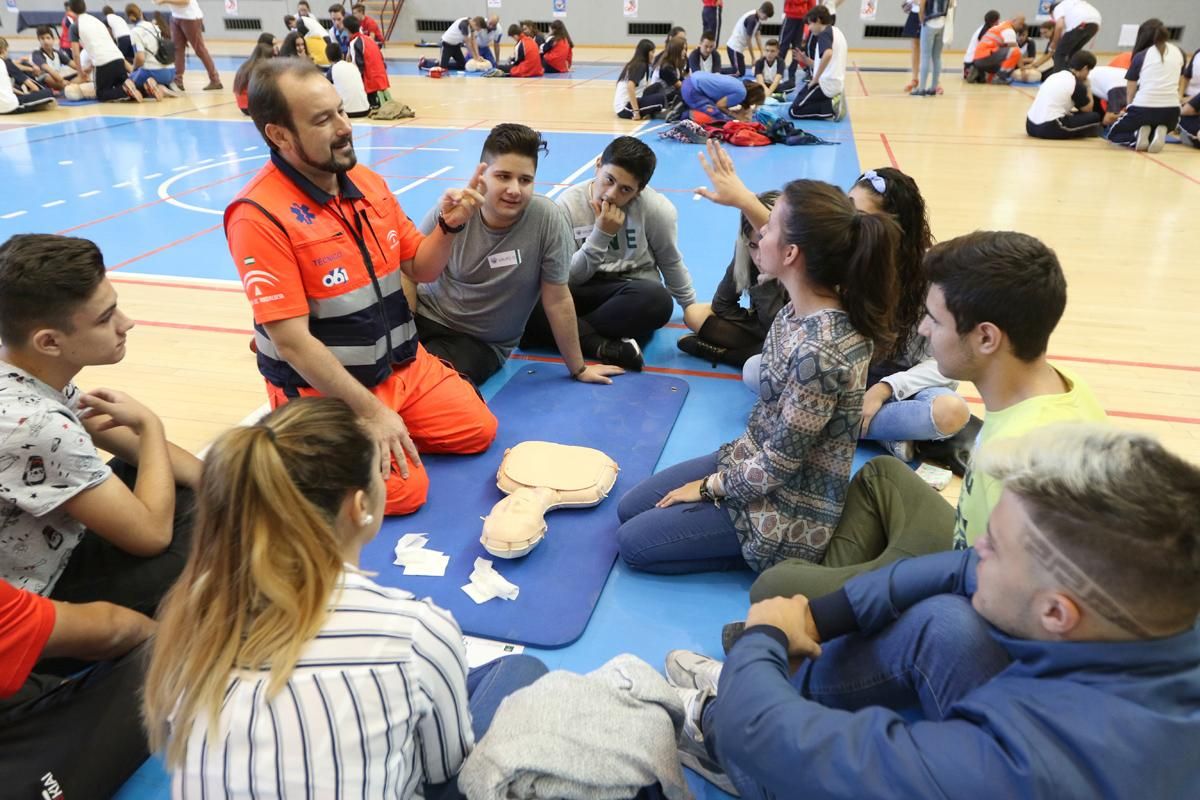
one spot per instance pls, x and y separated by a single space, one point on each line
420 181
167 246
152 176
92 193
53 203
122 184
888 147
12 215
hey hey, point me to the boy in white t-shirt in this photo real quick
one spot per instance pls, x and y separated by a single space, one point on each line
1076 22
1063 108
746 35
120 32
111 73
822 97
348 81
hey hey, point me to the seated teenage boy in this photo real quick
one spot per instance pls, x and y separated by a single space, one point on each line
515 250
628 246
768 70
1063 108
822 97
79 737
72 527
994 299
705 57
1057 659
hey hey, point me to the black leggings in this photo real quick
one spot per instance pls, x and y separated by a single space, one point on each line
472 358
1190 128
110 79
1073 126
739 340
1071 43
453 57
651 101
1125 130
32 101
737 62
83 734
607 308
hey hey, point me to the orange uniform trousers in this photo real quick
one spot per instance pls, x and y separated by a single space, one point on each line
443 412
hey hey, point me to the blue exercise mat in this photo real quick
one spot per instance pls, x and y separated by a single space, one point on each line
562 578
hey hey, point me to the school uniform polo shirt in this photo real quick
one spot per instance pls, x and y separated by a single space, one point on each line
302 252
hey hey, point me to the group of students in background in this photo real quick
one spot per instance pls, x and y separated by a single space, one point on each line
704 90
534 54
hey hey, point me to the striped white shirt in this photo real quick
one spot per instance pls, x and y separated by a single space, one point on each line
376 707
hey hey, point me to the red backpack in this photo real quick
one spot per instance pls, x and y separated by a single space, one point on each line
745 134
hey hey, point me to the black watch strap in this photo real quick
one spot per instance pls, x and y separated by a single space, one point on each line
446 228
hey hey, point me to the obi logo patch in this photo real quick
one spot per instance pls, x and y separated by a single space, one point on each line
335 277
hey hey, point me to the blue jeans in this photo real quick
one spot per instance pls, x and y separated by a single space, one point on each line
163 76
931 55
686 537
487 686
486 54
935 654
908 420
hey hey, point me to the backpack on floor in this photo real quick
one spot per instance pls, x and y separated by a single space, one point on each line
745 134
685 131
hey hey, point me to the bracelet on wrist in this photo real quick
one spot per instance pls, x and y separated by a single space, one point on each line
446 228
575 373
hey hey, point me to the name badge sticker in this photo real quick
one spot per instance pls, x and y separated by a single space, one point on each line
501 260
584 231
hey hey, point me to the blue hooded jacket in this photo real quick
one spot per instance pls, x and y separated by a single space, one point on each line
1064 720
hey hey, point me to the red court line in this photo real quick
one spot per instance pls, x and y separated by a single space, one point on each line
1119 363
167 246
1165 165
861 82
178 285
153 203
888 147
1124 414
187 327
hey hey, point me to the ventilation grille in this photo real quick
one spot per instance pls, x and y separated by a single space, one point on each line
883 31
770 29
433 25
1175 32
540 27
649 28
243 24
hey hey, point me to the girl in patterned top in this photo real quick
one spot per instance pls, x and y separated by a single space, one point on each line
777 490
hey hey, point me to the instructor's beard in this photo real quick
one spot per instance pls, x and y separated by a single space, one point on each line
333 162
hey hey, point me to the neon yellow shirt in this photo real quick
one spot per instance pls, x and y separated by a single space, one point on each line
980 492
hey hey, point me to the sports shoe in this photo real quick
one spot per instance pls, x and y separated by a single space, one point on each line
688 670
1158 140
839 107
623 353
905 451
213 86
692 752
975 75
730 633
696 347
179 84
1143 139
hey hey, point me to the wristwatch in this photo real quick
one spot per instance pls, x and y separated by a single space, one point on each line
582 369
706 493
446 229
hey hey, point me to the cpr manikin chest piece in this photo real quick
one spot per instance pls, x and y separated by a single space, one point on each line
539 477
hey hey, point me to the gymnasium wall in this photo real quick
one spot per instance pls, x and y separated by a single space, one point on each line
601 22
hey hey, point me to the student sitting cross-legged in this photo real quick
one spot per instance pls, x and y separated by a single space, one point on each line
1056 659
628 247
1064 106
516 249
73 527
705 57
777 491
994 299
279 667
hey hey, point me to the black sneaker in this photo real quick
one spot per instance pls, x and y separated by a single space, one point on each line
696 347
730 633
623 353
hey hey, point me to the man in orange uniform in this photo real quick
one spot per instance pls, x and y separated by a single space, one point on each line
322 245
997 52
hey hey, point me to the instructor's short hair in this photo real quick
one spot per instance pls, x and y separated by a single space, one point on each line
632 155
1009 279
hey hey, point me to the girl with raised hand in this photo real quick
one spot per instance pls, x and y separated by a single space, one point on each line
777 490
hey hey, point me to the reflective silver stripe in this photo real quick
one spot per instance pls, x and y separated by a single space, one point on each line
350 355
357 300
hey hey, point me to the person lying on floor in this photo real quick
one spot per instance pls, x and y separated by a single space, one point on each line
724 331
272 624
515 252
777 490
1056 659
628 247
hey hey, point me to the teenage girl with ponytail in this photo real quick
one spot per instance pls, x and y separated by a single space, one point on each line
1153 89
777 491
278 666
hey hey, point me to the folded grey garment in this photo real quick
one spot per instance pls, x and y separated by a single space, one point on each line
600 736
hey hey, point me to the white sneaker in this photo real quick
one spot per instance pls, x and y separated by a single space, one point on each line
1158 140
905 451
1143 139
688 670
693 753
